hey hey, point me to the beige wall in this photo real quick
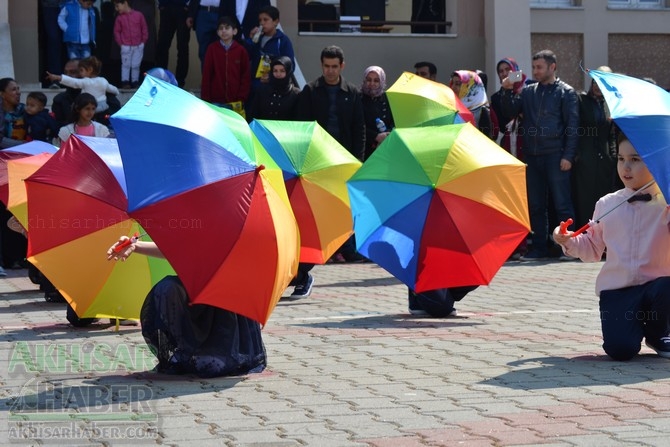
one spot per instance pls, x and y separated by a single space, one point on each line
22 17
396 51
507 27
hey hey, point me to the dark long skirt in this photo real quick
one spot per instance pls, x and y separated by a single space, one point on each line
199 339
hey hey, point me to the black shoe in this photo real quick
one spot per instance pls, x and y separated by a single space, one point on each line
534 256
303 290
34 275
661 346
54 297
414 307
355 258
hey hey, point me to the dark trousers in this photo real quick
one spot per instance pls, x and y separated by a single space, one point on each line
630 314
54 39
543 175
173 21
303 274
440 302
205 31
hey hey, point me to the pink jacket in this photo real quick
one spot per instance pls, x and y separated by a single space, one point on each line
130 29
637 238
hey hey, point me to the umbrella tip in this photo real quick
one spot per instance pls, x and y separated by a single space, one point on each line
259 168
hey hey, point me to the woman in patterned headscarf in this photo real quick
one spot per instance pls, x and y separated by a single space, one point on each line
470 90
375 105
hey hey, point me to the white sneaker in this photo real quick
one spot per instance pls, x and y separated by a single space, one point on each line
3 272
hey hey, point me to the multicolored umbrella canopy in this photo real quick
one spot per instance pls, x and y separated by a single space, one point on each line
21 151
439 207
642 111
416 101
217 214
17 171
76 210
316 168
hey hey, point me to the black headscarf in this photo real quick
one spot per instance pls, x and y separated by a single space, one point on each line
284 84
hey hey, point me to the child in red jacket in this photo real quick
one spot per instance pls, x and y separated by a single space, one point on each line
226 76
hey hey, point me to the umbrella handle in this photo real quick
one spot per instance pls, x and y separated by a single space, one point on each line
581 230
565 225
123 244
564 228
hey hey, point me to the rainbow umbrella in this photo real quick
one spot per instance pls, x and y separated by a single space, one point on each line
17 171
642 111
76 210
439 207
16 152
416 101
316 168
219 216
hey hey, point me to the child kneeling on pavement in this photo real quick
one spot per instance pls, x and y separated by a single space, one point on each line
634 282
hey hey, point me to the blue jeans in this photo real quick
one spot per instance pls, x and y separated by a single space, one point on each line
627 315
544 176
205 31
78 50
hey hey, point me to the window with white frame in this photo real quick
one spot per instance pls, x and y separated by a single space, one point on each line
636 3
551 3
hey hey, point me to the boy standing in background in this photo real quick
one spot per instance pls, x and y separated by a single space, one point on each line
226 75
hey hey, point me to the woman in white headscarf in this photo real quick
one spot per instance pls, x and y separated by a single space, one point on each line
470 90
376 109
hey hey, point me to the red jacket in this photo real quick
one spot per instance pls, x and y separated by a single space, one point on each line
226 75
130 29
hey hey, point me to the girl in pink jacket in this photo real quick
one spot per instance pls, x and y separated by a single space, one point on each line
130 32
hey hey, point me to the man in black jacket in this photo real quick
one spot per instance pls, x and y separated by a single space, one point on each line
335 103
550 135
338 107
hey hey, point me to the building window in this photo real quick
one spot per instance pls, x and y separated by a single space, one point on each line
635 3
552 3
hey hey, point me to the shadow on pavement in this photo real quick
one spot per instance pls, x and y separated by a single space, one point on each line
63 331
386 321
582 371
367 282
125 397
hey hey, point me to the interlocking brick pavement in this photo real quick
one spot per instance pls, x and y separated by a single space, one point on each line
348 366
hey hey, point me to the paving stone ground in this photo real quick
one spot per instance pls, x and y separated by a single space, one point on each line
348 366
